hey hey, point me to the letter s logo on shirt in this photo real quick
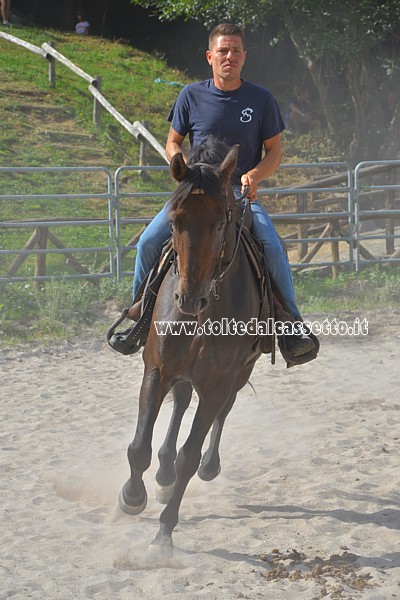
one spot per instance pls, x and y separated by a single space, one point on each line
246 115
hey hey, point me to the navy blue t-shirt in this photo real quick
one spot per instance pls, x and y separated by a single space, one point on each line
247 116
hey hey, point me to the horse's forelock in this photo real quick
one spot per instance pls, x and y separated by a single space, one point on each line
203 162
200 176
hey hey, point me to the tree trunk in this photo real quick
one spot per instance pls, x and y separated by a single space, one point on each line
68 13
320 74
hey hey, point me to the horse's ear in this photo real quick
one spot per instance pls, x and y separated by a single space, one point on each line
178 167
229 163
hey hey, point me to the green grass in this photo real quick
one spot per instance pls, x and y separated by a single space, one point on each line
62 308
374 287
59 310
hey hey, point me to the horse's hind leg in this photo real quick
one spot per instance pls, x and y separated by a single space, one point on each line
133 496
165 477
210 465
186 465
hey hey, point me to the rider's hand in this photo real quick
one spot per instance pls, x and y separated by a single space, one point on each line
247 180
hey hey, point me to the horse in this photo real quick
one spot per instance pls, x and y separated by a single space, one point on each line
211 280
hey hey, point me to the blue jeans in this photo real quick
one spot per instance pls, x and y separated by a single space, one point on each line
156 234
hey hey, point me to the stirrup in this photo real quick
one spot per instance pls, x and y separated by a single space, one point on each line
120 342
291 360
126 342
131 340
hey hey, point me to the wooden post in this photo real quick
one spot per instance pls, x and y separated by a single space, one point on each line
142 152
327 232
40 259
21 258
302 228
335 252
97 108
390 198
143 162
71 260
52 67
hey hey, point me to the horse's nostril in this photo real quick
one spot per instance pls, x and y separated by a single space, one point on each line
180 298
201 304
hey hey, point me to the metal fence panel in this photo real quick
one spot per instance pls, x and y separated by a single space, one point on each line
387 211
316 218
121 220
302 216
345 190
43 235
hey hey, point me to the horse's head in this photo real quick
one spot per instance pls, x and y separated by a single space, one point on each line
202 210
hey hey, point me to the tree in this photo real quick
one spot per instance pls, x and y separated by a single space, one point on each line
351 50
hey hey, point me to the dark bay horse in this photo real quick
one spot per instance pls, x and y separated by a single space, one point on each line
211 280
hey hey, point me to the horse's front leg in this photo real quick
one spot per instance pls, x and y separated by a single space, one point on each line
133 497
165 477
210 465
186 465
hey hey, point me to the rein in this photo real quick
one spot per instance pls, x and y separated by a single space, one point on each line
218 275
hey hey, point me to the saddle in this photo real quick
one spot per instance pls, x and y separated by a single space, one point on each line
131 340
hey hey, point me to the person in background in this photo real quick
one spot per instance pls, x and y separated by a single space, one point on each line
300 115
5 6
82 27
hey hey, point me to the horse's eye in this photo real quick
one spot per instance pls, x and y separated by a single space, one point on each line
221 226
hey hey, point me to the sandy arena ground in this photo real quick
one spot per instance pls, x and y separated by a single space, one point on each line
307 505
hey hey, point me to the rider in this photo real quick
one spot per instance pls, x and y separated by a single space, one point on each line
238 112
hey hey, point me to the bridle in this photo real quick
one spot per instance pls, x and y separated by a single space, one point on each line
219 274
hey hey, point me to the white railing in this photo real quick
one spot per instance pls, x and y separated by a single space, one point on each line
48 52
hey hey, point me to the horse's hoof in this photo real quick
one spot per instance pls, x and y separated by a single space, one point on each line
208 475
164 492
131 509
158 552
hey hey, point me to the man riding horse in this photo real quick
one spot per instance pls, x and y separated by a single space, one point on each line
238 112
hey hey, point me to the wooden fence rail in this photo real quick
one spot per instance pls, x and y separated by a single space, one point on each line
49 52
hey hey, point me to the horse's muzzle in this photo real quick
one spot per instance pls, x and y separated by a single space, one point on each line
190 305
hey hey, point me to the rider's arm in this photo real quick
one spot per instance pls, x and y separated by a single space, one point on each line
267 165
174 144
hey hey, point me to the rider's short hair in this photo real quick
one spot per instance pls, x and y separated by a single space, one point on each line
225 29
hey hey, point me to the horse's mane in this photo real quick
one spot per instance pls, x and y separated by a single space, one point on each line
203 161
212 152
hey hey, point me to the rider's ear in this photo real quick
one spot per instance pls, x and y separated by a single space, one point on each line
178 167
229 163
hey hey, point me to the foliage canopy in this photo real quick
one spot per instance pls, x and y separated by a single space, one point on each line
351 50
